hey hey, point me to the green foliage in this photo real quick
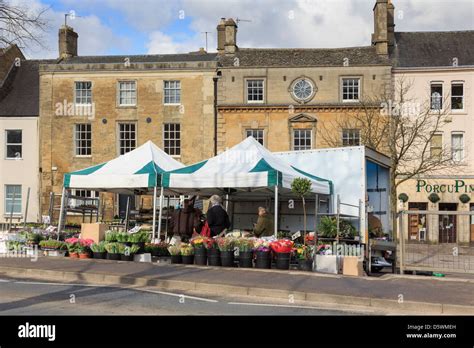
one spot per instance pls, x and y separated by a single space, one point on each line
464 198
139 237
328 228
301 186
113 247
33 238
122 237
434 198
111 236
403 197
52 244
244 244
98 247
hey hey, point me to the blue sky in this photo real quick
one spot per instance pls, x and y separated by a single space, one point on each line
173 26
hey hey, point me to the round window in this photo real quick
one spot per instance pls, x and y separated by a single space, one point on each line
303 89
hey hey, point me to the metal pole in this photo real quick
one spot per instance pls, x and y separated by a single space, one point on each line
61 212
361 228
276 212
161 212
167 217
26 208
338 211
154 212
226 202
11 212
316 211
126 213
401 237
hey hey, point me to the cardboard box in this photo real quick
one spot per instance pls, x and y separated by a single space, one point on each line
352 266
94 231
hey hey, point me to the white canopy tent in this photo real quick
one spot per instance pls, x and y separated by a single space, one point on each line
246 168
136 172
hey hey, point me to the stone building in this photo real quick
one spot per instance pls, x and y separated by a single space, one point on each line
94 108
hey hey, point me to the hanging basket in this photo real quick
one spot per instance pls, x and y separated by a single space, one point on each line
434 198
403 197
464 198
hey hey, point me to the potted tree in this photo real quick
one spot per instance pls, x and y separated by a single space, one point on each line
302 187
226 248
187 253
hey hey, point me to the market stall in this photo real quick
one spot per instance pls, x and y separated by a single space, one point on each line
136 172
246 170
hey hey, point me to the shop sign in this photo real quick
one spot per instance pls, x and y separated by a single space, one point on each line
458 186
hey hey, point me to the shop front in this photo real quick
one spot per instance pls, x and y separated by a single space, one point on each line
443 195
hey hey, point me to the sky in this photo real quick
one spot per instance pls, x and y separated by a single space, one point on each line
111 27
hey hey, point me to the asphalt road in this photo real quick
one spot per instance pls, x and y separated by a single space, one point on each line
29 297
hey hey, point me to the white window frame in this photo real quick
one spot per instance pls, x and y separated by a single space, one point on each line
348 134
166 137
17 199
7 144
436 84
174 89
247 80
119 137
457 83
251 132
73 202
76 90
461 149
77 140
359 86
293 140
130 87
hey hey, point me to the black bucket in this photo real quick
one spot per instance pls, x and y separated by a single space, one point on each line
99 255
227 258
124 257
263 260
245 259
214 257
305 265
283 260
200 256
113 256
176 259
188 259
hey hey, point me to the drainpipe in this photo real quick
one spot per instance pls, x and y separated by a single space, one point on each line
215 79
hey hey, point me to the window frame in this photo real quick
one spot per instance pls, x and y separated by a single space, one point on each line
75 139
350 138
6 199
119 132
461 149
174 89
119 92
76 90
436 84
94 194
457 83
169 139
440 147
359 88
246 84
247 130
7 144
293 138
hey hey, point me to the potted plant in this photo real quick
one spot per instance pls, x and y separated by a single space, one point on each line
53 247
71 244
111 236
127 252
200 252
302 187
31 243
245 246
157 249
98 250
226 248
304 254
262 254
123 237
282 249
140 239
83 248
213 252
187 253
112 249
175 252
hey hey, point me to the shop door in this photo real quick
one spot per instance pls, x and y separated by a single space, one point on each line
447 223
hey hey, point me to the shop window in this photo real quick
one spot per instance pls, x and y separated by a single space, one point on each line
436 146
127 137
350 137
13 199
14 145
457 96
83 139
255 91
457 147
256 133
302 139
436 96
172 138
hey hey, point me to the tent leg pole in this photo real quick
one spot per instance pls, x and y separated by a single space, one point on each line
276 212
61 212
154 213
167 217
161 213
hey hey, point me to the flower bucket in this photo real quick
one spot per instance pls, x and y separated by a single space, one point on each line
188 259
263 260
245 259
305 265
141 245
113 256
283 260
124 257
227 258
99 255
176 259
214 257
200 256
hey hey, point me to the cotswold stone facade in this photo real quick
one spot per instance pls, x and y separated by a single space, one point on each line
66 125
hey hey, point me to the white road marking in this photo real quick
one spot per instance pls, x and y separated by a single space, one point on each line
60 284
4 281
296 306
180 295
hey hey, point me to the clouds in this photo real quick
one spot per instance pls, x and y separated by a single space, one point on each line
175 26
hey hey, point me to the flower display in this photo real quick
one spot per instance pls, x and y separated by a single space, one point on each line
324 249
282 246
304 252
244 244
174 250
78 245
199 241
225 243
186 249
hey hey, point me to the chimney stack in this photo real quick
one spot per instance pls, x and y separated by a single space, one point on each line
391 23
380 35
227 36
67 42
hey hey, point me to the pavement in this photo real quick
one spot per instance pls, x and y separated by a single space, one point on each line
411 294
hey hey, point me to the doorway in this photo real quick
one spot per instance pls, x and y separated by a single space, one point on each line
447 223
417 222
122 204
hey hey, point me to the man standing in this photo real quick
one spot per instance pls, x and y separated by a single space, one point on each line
264 226
185 221
217 217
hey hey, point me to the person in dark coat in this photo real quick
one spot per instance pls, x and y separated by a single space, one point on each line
217 217
264 226
185 221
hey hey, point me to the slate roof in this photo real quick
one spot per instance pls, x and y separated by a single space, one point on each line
19 95
433 49
294 57
146 58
